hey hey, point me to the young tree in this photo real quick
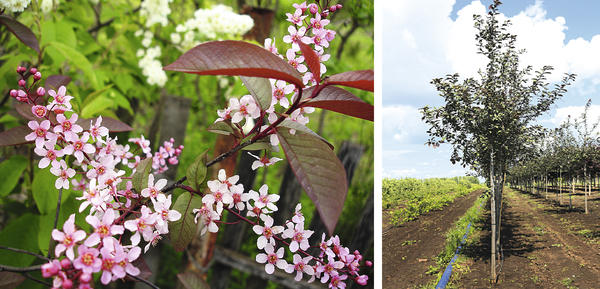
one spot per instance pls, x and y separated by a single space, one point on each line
488 120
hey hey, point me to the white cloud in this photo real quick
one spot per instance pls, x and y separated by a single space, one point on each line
403 123
563 113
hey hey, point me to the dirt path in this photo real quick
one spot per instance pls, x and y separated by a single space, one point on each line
409 250
540 250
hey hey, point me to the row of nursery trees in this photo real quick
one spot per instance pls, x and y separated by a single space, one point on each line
490 120
565 160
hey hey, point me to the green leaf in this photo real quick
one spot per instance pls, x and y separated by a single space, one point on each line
196 172
139 180
183 230
263 144
78 60
260 88
11 171
18 234
94 95
45 194
96 106
66 33
220 127
319 171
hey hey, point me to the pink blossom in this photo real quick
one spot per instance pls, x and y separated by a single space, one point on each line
162 206
51 268
298 217
68 126
296 18
153 189
270 45
63 173
39 110
318 24
79 146
263 162
40 130
49 154
320 39
329 269
68 238
295 36
301 6
103 228
103 169
110 264
61 101
143 225
96 130
238 196
219 195
300 266
280 90
246 108
87 260
296 62
96 196
264 199
337 280
298 235
208 218
272 259
266 232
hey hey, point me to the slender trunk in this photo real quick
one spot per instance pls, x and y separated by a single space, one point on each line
493 219
585 188
572 193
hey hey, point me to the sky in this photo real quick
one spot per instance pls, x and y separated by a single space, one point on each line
422 40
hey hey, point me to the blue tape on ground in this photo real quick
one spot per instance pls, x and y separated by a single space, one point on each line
448 272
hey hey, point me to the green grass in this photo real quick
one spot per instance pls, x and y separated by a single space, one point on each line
454 235
416 197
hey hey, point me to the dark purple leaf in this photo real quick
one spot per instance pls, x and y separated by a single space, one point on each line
361 79
300 127
312 60
113 125
231 57
192 280
56 81
319 171
21 31
339 100
9 280
14 136
261 89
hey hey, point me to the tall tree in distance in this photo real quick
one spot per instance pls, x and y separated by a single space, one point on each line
488 120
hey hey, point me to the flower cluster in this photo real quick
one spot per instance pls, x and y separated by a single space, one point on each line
215 23
14 5
335 262
149 63
307 26
114 205
155 11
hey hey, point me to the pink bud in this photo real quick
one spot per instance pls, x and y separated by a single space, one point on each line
333 8
339 6
369 263
32 70
50 269
85 278
68 284
21 69
40 91
65 263
37 76
362 279
325 14
13 93
313 8
22 83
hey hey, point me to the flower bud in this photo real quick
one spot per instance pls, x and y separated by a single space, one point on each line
65 263
325 14
22 83
13 93
21 69
40 91
85 278
313 8
68 284
33 70
362 279
338 6
37 75
369 263
333 8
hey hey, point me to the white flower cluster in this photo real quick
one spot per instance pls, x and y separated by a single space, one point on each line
47 5
14 5
155 11
208 24
150 65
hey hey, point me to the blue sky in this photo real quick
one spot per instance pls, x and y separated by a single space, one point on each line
427 39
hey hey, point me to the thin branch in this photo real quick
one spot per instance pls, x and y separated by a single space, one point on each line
144 281
99 25
55 222
26 275
25 252
20 269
